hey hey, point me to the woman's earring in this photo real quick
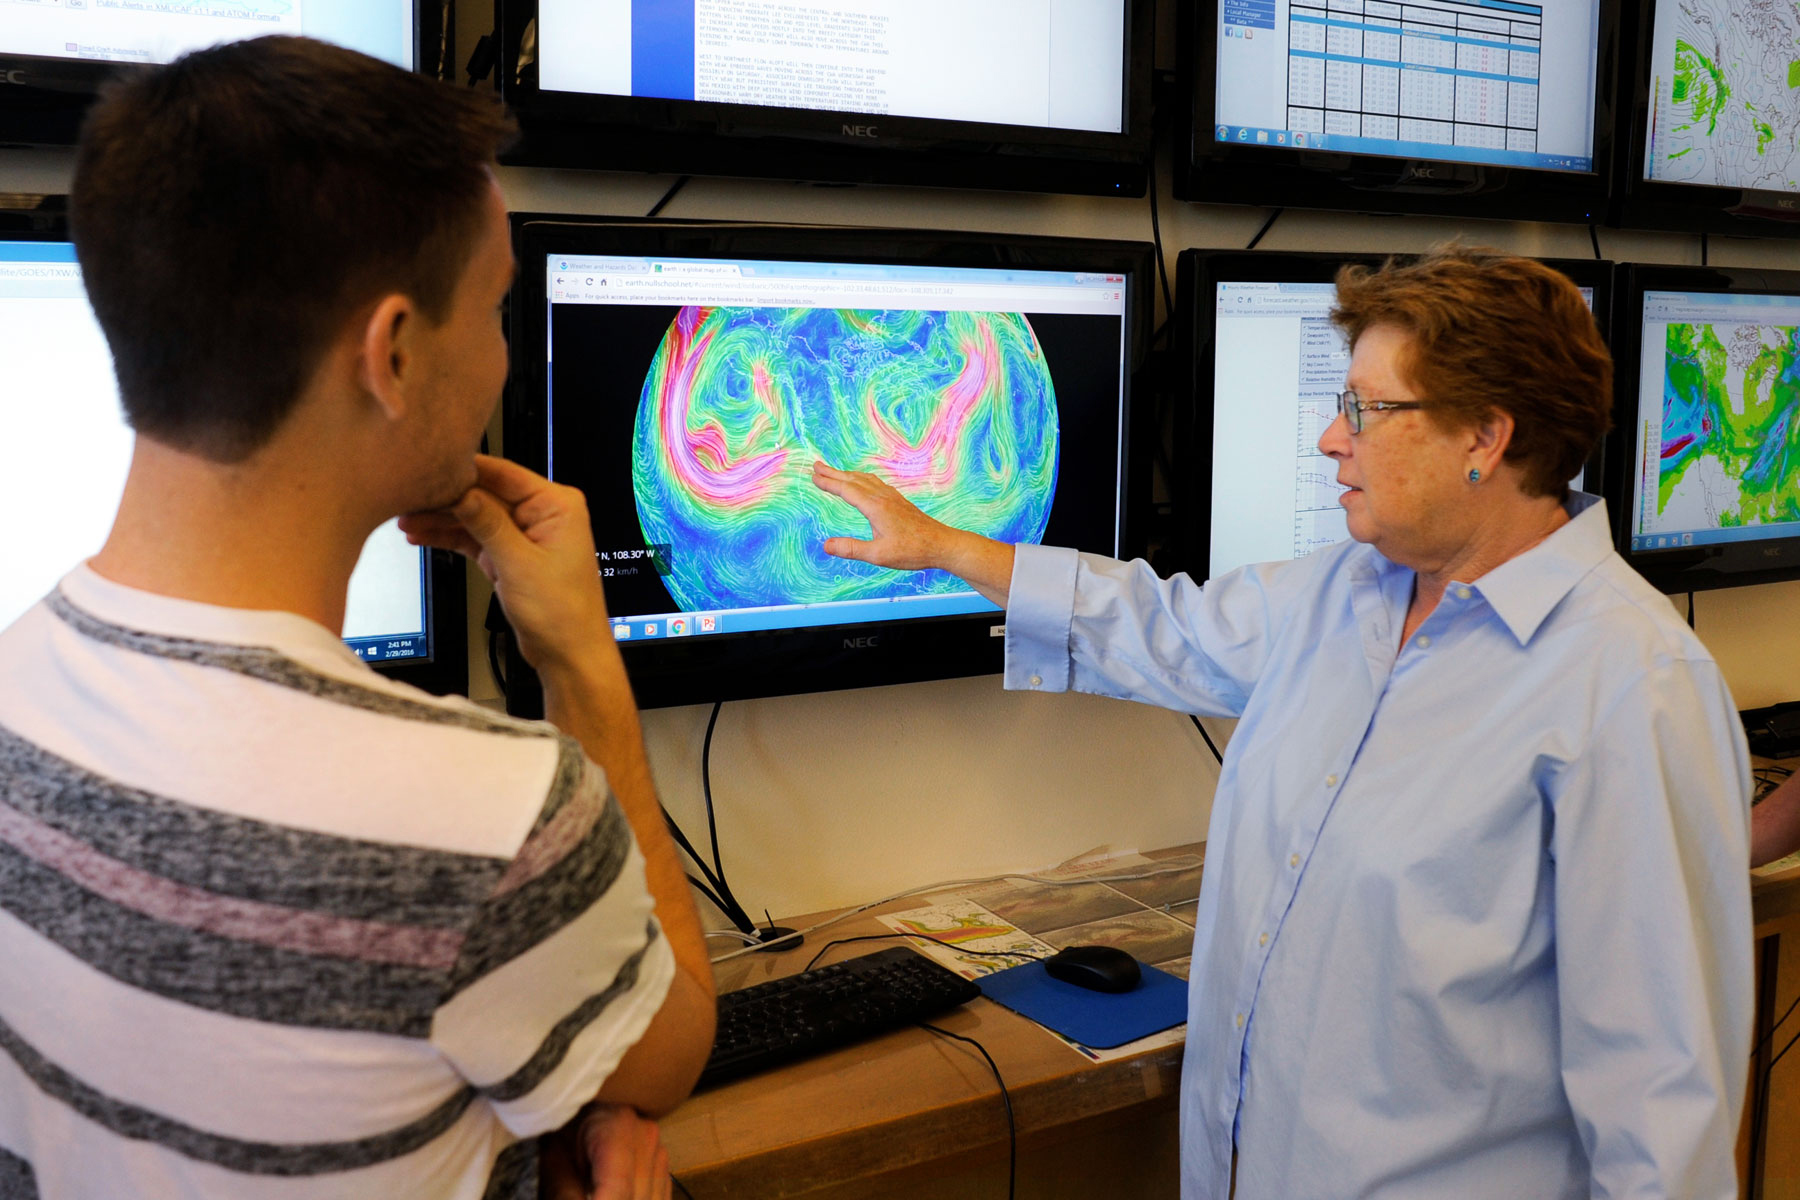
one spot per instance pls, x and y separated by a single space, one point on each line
1474 474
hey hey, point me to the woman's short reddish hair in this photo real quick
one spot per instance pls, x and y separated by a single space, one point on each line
1488 333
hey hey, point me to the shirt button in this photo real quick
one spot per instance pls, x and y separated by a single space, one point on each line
1331 781
1462 593
1240 1020
1424 642
1037 681
1293 860
1263 940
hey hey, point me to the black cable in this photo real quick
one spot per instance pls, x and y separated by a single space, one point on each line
680 182
1012 1128
1703 250
1770 1036
680 1186
712 824
1690 610
1209 742
1594 233
1162 267
1784 1050
883 937
494 661
1274 214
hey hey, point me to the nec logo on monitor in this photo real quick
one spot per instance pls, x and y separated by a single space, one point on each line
14 76
862 643
861 131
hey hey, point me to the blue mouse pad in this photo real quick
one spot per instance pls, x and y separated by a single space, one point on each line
1098 1019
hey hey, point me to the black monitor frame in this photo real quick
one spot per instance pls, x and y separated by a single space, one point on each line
674 671
1198 272
43 100
1690 568
1281 176
634 133
1642 203
44 218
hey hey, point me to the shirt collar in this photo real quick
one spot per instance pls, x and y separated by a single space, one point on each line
1524 589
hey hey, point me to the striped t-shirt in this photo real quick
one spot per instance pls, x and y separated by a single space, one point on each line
273 926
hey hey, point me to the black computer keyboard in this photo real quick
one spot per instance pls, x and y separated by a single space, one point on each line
786 1019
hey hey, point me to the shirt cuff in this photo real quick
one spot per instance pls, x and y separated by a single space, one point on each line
1040 605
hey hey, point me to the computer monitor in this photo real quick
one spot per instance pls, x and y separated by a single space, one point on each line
1268 365
1030 95
54 56
1472 108
1709 118
1705 487
687 376
66 438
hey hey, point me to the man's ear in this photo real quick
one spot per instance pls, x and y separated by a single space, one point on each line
388 357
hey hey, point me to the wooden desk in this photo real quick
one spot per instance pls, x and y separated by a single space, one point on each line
911 1113
1769 1145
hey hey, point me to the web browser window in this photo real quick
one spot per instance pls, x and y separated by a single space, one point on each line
1504 82
1717 380
1055 64
690 398
158 31
67 448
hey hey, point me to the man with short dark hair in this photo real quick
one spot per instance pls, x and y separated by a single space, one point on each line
271 924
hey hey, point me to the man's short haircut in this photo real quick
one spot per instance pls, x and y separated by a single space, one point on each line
234 209
1493 333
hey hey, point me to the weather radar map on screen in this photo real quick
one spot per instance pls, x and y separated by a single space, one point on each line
689 399
1719 389
1725 94
955 409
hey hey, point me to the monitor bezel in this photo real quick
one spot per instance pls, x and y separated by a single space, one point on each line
721 667
44 218
1198 273
43 100
1283 177
1681 207
632 133
1697 568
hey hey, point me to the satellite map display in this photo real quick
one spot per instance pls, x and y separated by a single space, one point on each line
1725 94
955 409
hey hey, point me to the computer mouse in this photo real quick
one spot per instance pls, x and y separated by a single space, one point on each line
1097 968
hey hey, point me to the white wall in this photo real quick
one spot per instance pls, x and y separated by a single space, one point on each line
831 799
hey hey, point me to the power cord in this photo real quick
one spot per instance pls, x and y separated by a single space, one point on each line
680 1186
1274 215
680 182
1210 745
1012 1128
1768 1037
1162 266
1690 612
1594 236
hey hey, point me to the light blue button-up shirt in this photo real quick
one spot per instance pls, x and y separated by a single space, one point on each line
1475 920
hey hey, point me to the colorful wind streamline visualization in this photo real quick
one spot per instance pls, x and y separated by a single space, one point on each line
955 409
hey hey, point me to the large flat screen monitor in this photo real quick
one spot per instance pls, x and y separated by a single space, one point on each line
1707 483
55 54
1478 108
66 438
1042 95
686 377
1268 366
1711 117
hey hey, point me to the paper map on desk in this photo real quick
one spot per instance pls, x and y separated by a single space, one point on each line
1036 919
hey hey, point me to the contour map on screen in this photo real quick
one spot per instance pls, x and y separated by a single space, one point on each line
1731 399
955 409
1725 86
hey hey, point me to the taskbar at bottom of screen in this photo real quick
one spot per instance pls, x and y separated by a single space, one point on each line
1689 538
653 626
386 649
